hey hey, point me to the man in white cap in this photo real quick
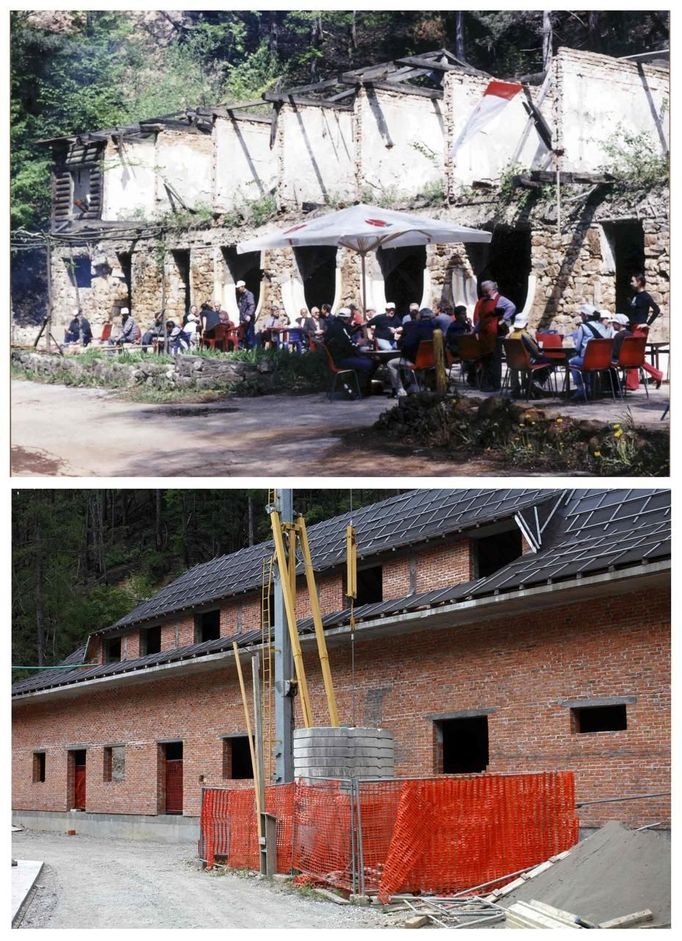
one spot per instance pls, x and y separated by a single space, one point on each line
591 328
535 355
129 329
345 353
247 314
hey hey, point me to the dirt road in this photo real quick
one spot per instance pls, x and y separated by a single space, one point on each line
92 883
63 431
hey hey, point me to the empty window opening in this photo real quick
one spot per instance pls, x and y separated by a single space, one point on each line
80 271
506 260
626 242
150 640
80 190
112 650
206 626
370 585
181 259
114 763
599 718
492 553
317 267
246 268
38 767
462 745
237 758
403 271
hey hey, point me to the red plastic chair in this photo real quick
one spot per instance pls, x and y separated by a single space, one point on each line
336 372
550 341
631 356
518 361
424 361
470 354
597 360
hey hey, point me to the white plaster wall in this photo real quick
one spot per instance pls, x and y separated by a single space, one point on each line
129 180
184 161
318 155
246 168
602 97
402 142
489 153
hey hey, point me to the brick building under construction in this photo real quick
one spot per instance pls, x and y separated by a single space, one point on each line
495 631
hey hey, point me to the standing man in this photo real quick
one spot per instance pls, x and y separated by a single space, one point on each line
247 314
492 310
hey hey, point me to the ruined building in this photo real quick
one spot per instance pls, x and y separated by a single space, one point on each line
149 215
494 631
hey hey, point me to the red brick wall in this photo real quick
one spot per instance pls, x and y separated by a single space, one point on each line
445 564
518 667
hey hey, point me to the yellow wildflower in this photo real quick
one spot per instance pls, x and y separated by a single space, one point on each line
618 434
597 453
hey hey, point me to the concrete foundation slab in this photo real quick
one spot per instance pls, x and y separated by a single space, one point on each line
24 876
160 829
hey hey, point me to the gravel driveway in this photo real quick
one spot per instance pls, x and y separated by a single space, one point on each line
92 883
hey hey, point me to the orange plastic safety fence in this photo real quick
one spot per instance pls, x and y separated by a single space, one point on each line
322 831
454 833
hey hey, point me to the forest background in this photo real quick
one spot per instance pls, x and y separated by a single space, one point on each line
84 558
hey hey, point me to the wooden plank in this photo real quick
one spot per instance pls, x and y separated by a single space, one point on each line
404 89
628 921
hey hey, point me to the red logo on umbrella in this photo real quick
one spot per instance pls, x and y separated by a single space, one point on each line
379 223
296 228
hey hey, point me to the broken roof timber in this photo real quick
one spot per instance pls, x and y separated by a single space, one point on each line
445 63
405 89
285 96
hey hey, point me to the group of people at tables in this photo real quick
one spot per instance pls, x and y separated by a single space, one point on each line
364 343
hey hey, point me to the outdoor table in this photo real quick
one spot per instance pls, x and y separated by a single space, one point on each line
383 355
561 358
654 351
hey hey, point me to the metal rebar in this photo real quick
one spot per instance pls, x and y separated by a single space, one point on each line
613 800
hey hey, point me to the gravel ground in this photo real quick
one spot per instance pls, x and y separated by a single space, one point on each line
92 883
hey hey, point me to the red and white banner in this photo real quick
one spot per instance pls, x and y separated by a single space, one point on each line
495 99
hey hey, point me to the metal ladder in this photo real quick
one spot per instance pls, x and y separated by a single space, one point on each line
266 668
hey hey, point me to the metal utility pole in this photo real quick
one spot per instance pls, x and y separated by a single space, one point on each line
284 662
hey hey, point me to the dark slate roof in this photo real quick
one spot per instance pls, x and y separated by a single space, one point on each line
401 521
56 678
591 532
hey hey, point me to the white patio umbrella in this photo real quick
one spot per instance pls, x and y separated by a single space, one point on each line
364 229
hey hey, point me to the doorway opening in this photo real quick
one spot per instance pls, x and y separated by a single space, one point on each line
76 778
170 778
181 259
244 268
403 271
506 260
125 260
317 267
626 243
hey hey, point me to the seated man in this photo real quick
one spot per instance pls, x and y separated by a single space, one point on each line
414 331
535 355
73 331
345 353
591 328
129 331
385 327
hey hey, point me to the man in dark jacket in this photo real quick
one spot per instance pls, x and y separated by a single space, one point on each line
414 331
345 353
247 314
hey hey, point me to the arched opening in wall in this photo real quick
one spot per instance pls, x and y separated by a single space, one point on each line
626 243
506 259
403 271
317 267
244 268
181 259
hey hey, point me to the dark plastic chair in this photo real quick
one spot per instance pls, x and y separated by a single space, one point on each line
549 341
336 372
470 354
518 360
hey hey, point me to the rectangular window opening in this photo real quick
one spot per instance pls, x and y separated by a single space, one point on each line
206 626
112 650
491 553
114 763
173 751
237 758
462 745
587 719
370 585
38 767
150 640
80 271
